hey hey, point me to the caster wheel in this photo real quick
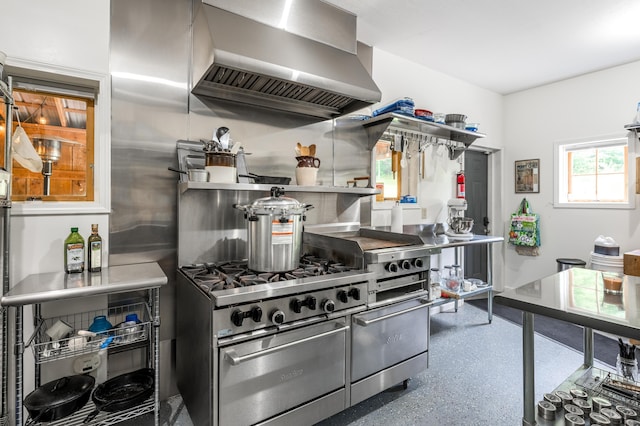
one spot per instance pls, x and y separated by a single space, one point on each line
405 384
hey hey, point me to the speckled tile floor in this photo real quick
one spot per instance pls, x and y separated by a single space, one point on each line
474 378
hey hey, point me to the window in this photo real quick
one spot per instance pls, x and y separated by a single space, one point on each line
72 107
594 173
388 170
60 128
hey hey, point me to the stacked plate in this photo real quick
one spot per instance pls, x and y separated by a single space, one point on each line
603 262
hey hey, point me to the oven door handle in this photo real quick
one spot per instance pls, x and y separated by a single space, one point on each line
364 322
234 359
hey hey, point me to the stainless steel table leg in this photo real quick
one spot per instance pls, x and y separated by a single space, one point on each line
456 304
490 304
528 369
587 346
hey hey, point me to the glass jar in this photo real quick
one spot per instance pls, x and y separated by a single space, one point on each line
434 277
453 282
627 368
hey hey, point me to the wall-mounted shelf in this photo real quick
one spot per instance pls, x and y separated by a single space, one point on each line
376 126
362 192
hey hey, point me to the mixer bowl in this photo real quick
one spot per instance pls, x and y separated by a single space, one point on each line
461 225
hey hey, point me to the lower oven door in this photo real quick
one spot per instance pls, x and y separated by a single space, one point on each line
386 336
268 376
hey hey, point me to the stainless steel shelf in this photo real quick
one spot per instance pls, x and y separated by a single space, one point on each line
39 288
376 126
187 186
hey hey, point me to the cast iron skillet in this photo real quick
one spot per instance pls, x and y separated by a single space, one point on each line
267 179
58 398
123 392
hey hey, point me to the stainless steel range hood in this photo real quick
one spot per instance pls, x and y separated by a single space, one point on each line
240 59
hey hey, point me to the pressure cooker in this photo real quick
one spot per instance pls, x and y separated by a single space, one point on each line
274 232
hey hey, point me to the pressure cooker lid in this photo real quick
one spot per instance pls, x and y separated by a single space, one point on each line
277 202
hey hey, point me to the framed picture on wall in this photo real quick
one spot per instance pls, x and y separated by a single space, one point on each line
527 176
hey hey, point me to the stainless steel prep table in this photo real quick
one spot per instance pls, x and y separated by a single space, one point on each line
38 288
577 296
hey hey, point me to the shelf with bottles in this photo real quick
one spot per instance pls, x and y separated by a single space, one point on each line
128 325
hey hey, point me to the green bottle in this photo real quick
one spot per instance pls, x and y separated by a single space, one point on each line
74 252
95 250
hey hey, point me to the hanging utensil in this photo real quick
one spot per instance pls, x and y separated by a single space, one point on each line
403 144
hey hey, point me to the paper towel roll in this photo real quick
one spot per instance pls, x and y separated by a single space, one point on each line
396 218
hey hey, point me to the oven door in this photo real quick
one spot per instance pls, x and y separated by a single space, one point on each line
389 344
268 376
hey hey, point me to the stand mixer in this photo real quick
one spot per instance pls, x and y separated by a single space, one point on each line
459 225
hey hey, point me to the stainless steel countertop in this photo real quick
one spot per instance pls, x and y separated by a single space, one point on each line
577 295
425 232
38 288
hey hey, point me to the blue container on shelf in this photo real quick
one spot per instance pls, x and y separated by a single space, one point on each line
402 106
100 324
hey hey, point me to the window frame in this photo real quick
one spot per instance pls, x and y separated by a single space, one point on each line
561 169
69 77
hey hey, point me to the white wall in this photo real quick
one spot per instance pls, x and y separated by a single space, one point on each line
592 105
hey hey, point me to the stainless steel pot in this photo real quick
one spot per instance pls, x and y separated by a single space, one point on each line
274 232
195 175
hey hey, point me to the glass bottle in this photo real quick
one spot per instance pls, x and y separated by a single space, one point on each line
637 119
95 250
74 252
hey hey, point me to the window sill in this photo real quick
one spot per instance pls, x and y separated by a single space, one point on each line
42 208
594 206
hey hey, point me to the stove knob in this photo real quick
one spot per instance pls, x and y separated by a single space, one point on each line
311 303
256 314
391 267
418 263
277 317
296 305
355 293
237 317
343 296
328 306
405 264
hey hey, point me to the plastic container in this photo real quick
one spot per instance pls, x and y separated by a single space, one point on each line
100 324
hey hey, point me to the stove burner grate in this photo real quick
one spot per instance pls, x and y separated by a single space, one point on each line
232 274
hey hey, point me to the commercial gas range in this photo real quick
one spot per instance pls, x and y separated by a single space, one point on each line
296 347
266 348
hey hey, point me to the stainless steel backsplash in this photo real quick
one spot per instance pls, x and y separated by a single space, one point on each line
152 108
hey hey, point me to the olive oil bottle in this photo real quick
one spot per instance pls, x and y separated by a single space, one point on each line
74 252
95 250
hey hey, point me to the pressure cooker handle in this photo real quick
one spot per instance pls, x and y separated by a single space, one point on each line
234 359
276 191
364 322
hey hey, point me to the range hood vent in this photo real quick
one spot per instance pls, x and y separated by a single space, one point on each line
238 59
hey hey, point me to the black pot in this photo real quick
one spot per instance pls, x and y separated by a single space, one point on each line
59 398
123 392
268 179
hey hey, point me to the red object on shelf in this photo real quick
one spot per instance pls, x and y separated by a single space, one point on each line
460 185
